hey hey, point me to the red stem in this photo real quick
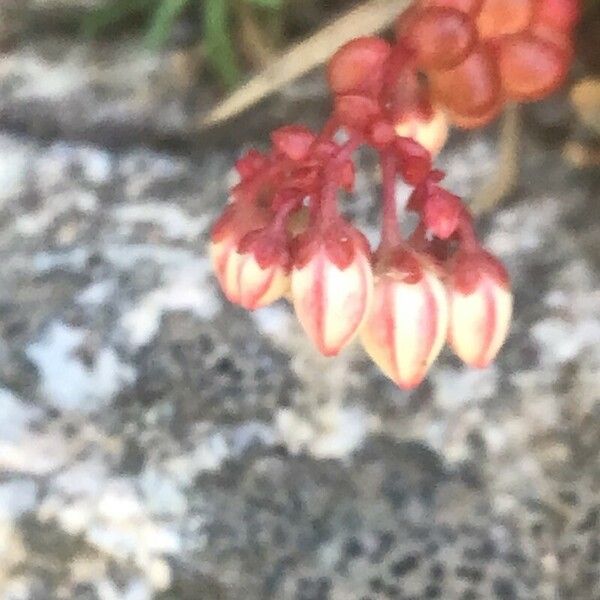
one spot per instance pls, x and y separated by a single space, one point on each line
466 232
390 231
328 199
281 216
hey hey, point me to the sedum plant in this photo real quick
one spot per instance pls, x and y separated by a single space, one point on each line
282 235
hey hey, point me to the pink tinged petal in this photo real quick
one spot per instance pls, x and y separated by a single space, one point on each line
258 287
330 302
243 280
220 254
479 321
406 328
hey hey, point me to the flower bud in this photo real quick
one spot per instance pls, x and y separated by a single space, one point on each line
332 284
480 307
431 132
258 271
293 141
236 221
357 67
407 323
250 163
356 112
414 161
441 212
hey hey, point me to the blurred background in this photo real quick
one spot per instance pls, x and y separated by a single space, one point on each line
158 442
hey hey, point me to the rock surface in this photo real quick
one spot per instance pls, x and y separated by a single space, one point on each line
157 442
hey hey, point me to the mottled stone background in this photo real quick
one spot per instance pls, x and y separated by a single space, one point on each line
157 442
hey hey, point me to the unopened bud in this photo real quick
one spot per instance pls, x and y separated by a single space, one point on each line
294 141
332 285
259 271
480 308
407 324
232 226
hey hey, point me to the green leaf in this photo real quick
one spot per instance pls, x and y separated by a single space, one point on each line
218 42
163 20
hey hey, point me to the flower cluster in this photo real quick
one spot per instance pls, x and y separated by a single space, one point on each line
282 235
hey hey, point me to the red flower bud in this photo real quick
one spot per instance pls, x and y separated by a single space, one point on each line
332 285
531 67
357 67
561 15
414 161
356 112
480 307
441 212
407 324
471 7
293 141
504 17
382 134
250 164
440 36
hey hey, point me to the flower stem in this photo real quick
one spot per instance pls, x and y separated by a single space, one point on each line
390 232
328 200
466 232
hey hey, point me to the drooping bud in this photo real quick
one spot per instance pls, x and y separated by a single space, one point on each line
258 272
480 307
236 221
429 131
332 285
407 324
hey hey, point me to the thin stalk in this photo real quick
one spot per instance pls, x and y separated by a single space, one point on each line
328 200
466 232
390 231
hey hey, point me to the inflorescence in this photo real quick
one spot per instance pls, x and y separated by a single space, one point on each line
282 235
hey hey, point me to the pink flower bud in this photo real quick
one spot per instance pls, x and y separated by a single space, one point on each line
407 324
258 272
332 285
431 132
236 221
480 307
